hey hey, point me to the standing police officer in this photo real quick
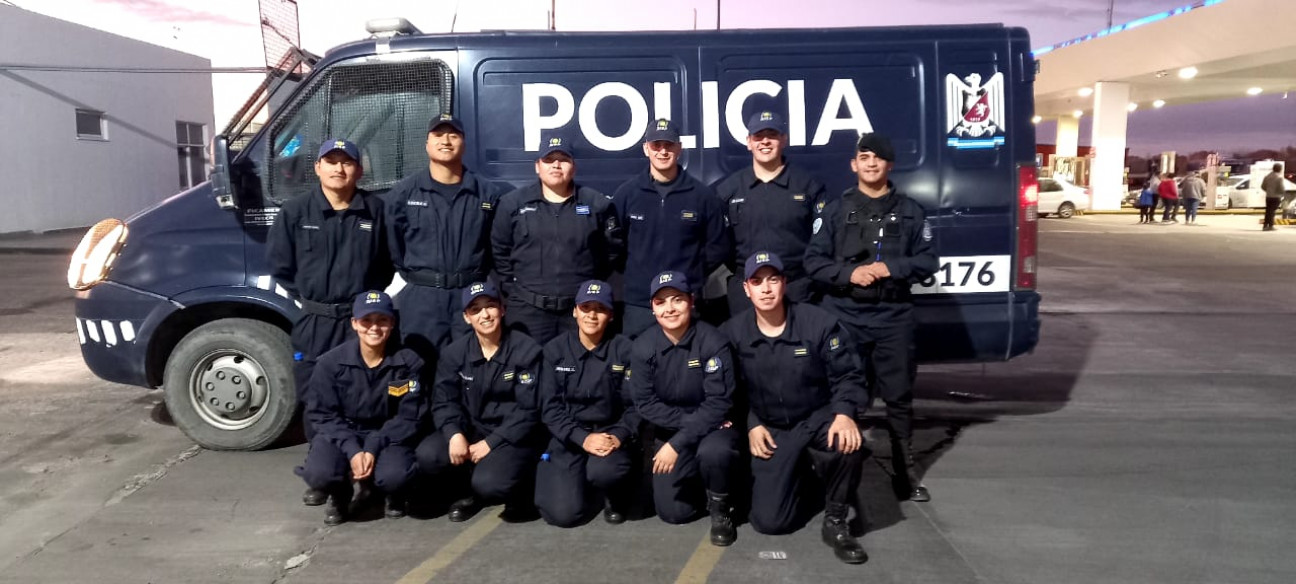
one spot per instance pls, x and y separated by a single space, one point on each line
590 414
365 402
803 386
681 378
440 223
672 222
770 206
326 247
548 237
869 247
485 404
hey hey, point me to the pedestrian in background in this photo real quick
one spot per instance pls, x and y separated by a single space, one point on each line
1153 183
1169 198
1191 193
1273 190
1147 203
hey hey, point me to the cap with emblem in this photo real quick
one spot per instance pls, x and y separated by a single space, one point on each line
675 280
476 289
372 302
764 120
877 144
446 120
663 130
555 142
594 291
338 145
759 260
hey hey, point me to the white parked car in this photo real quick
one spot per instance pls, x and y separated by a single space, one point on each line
1246 193
1056 195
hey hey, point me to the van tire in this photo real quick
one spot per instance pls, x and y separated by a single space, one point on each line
229 384
1066 210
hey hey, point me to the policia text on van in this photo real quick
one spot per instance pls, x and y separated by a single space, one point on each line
180 296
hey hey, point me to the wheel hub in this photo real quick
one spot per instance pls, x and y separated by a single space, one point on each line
229 390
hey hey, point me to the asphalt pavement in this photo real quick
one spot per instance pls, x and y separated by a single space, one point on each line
1143 441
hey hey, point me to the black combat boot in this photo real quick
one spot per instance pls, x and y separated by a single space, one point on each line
836 533
463 509
337 509
395 506
908 486
314 497
723 532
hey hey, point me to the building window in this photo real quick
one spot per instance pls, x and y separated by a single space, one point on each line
91 125
189 151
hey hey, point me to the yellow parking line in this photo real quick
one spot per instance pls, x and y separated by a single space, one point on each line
451 551
701 563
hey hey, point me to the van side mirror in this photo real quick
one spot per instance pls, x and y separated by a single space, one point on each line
220 176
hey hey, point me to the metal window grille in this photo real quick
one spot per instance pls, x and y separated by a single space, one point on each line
383 107
190 153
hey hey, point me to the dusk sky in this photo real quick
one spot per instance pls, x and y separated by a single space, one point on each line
227 33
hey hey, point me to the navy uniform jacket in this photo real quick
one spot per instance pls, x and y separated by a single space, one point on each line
499 398
810 372
329 256
686 387
775 216
853 231
362 410
683 231
584 390
552 253
429 232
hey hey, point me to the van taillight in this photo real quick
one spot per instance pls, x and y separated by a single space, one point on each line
1027 226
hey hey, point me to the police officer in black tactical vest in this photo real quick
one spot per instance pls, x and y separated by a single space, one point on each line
868 248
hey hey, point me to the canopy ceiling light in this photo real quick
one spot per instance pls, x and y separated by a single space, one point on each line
1085 91
1160 103
1132 106
1254 91
1187 72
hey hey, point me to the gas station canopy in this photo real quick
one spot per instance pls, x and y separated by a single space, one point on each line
1207 51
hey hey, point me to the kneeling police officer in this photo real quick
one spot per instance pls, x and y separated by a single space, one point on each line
365 402
803 385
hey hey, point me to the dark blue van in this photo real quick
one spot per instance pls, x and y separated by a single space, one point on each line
179 295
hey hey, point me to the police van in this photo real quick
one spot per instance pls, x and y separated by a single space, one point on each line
179 295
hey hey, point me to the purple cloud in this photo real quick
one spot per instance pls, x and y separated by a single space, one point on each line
165 11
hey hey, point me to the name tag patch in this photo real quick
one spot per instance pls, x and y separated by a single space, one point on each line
416 203
798 197
688 215
565 369
311 227
636 217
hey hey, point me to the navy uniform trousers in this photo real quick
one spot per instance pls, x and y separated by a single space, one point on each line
679 496
505 475
563 481
312 336
430 318
776 506
327 467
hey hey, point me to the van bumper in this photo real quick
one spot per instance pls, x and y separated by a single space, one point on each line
114 326
976 327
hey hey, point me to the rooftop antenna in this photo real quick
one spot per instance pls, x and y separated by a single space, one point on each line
717 14
1111 7
454 18
553 14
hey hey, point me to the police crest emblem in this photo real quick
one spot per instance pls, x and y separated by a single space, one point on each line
974 112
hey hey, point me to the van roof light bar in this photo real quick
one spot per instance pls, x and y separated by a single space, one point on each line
390 27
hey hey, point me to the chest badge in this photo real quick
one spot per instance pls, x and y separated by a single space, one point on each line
694 363
800 352
798 197
508 376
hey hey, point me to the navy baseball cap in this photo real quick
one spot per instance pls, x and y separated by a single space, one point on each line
372 302
759 260
595 291
336 144
448 120
476 289
555 142
675 280
877 144
662 129
765 120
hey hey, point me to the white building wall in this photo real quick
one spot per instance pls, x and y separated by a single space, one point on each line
50 179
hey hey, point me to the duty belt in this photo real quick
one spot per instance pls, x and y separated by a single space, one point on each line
436 279
871 294
558 303
340 310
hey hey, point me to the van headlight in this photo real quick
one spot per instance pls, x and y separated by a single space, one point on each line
94 256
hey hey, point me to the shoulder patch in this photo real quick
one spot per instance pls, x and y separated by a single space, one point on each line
818 223
525 378
398 390
820 207
926 234
627 373
834 343
713 365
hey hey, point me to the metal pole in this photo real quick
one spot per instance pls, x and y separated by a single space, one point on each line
717 14
553 15
1111 8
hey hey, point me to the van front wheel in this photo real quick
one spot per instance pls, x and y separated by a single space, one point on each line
229 384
